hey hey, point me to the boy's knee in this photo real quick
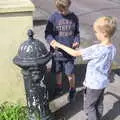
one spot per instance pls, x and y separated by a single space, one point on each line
70 77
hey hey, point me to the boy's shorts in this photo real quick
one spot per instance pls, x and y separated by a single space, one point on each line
63 66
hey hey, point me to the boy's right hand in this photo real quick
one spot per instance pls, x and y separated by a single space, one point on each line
53 44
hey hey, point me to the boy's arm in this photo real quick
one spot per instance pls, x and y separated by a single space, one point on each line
111 74
70 51
49 32
76 34
86 53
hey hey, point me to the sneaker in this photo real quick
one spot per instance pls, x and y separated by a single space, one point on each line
58 91
72 95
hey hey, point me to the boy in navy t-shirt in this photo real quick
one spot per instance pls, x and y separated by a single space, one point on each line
63 26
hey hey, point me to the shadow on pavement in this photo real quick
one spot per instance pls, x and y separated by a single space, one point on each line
116 71
115 111
51 81
70 109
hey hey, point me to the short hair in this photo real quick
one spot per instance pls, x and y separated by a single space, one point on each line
106 24
62 4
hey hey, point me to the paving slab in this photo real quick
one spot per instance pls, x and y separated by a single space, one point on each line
88 11
65 111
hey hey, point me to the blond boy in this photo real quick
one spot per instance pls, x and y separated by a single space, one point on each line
100 57
63 26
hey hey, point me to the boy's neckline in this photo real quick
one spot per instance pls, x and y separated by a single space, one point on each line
69 12
107 45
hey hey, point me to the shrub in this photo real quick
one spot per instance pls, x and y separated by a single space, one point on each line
13 112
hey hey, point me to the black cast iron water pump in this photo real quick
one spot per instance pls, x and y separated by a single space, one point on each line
32 58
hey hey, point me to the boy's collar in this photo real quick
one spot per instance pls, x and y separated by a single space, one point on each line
107 45
65 14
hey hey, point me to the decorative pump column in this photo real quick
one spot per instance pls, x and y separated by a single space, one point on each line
32 58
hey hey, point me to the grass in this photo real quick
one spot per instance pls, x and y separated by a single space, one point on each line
13 112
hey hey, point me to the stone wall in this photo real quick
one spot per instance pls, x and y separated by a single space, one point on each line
15 20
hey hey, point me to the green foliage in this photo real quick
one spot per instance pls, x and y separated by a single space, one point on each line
13 112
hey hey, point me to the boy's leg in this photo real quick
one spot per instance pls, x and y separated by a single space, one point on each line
71 79
99 109
58 71
72 89
59 79
91 98
69 71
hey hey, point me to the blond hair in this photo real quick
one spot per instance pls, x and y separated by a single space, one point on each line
106 24
62 3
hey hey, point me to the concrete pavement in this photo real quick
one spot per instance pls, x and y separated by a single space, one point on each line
65 111
87 11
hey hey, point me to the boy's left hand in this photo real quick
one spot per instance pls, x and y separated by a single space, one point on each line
75 45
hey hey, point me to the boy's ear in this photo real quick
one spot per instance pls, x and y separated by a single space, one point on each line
105 34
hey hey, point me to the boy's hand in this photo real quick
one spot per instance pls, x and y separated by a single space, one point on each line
54 44
75 45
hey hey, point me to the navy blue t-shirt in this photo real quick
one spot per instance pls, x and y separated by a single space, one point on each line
65 30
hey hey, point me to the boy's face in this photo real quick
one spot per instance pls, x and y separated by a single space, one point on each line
99 34
62 10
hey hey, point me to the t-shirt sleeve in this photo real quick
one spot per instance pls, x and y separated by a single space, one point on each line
49 33
114 53
89 53
77 33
